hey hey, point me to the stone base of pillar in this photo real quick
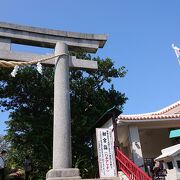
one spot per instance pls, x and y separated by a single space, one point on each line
113 178
69 174
63 174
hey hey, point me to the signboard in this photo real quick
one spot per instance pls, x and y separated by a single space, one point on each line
106 157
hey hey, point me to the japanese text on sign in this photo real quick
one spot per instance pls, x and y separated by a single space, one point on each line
106 157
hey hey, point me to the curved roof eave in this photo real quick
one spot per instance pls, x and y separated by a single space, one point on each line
161 114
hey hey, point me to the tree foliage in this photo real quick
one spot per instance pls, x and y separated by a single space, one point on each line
4 145
29 97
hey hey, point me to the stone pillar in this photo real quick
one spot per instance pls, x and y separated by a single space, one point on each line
62 155
136 146
62 125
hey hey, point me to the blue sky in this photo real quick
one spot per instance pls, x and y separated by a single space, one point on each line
140 34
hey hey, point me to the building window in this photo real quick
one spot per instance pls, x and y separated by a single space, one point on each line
178 164
170 165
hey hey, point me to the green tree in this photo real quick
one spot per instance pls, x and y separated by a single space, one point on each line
29 97
4 145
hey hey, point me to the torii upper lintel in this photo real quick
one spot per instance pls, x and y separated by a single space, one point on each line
42 37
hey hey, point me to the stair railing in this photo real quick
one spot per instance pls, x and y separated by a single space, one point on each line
131 170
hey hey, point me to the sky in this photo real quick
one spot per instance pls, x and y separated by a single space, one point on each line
140 35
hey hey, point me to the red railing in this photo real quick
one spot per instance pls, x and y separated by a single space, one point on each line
131 170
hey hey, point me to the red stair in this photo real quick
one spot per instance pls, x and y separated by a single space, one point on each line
131 170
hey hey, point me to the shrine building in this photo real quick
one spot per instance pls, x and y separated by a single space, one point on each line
141 137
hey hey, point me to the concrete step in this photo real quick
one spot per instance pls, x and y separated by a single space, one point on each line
122 176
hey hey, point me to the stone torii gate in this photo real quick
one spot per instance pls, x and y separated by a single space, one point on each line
62 42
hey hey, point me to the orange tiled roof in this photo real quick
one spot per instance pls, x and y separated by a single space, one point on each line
154 115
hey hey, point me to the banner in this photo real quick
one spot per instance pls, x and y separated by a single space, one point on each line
106 156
